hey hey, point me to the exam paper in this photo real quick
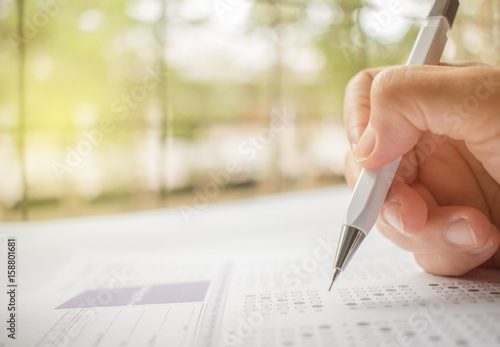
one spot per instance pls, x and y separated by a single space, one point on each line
147 279
378 302
156 301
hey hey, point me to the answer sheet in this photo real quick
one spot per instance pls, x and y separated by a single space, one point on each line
251 273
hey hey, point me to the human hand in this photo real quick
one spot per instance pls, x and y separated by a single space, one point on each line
444 203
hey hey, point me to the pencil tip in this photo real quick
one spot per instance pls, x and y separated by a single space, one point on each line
335 275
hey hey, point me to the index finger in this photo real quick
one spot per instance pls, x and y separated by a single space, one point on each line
357 103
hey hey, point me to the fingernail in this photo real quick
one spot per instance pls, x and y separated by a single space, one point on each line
485 248
392 215
460 233
365 145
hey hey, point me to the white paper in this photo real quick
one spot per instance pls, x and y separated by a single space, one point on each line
253 273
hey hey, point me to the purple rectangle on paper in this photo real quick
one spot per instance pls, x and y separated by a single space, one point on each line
132 296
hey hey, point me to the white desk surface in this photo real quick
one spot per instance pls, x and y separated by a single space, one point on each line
265 225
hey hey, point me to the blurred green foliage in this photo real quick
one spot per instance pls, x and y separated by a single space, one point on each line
164 70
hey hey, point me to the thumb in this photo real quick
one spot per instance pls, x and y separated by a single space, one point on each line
461 103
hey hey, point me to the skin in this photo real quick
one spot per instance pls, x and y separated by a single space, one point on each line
444 203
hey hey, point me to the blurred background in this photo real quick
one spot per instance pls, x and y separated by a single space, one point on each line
115 106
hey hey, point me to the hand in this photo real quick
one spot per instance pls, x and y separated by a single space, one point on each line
444 203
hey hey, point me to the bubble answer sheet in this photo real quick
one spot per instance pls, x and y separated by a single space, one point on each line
254 272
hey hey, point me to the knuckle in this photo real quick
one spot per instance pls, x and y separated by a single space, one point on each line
388 82
358 78
354 81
